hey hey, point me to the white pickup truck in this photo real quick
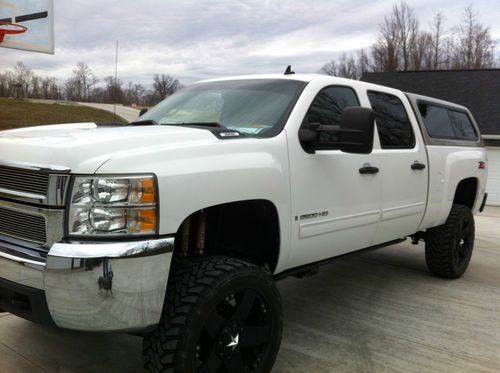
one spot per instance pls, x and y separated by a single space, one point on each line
177 226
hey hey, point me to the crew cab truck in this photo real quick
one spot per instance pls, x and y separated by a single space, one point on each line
176 227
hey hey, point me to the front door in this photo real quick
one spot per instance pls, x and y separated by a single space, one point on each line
335 206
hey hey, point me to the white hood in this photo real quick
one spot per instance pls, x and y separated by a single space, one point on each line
84 147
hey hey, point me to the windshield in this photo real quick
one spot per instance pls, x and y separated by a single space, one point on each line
253 107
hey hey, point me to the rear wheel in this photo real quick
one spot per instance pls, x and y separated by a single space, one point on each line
448 248
221 315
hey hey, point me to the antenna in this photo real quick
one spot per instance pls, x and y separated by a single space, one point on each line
289 71
116 81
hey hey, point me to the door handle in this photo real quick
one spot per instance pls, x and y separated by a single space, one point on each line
417 166
368 170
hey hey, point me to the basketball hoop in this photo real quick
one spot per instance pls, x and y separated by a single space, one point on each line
8 28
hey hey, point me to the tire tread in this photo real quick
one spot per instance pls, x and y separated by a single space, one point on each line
439 244
187 286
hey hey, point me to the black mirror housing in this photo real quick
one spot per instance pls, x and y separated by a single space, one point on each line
143 111
354 134
357 130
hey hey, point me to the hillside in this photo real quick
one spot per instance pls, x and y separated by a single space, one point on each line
20 113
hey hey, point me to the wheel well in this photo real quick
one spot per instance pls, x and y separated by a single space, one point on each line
247 230
466 192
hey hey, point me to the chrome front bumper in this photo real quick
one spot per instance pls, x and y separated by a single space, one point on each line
96 287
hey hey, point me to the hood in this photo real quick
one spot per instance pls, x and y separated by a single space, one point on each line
84 147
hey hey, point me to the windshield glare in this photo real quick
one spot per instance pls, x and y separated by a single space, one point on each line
254 107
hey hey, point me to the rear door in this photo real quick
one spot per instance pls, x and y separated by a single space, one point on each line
403 166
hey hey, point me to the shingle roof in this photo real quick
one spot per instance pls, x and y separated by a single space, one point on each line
478 90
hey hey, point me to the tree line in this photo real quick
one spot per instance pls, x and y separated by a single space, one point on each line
82 86
402 45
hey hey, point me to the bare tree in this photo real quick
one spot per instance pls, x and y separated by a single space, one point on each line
164 85
22 78
438 40
113 92
351 67
72 89
134 94
400 45
421 57
4 85
330 68
385 53
86 80
474 47
348 67
363 63
82 85
35 91
406 24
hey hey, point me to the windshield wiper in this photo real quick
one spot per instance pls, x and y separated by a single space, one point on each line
216 128
211 125
202 124
146 122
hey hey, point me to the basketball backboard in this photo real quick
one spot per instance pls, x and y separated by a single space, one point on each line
36 16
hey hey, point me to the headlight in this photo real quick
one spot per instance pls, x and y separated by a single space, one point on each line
103 206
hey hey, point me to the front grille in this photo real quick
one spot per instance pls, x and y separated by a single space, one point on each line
22 226
23 180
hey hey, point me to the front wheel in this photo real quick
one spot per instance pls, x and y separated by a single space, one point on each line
220 315
448 248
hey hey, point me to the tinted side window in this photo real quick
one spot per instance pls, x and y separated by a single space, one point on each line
327 108
442 122
393 124
436 120
328 105
462 125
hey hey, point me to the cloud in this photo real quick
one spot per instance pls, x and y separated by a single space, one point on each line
194 40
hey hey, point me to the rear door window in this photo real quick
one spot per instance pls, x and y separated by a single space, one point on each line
393 124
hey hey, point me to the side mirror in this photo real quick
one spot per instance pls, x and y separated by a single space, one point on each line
143 111
353 135
356 130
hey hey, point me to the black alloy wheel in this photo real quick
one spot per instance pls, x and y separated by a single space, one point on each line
236 334
448 247
221 315
463 242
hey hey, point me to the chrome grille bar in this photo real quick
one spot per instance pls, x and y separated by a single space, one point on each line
27 181
22 226
35 184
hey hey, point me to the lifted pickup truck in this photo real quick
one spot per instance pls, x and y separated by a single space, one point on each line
177 226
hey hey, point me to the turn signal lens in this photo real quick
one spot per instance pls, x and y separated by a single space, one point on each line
147 220
148 194
482 165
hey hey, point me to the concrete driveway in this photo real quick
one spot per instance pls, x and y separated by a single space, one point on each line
378 312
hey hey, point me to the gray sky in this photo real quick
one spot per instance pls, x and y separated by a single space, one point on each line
194 40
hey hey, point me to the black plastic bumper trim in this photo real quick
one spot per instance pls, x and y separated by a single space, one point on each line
25 302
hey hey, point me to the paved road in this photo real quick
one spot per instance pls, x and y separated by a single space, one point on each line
125 112
379 312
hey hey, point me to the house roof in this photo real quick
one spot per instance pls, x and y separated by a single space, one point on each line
478 90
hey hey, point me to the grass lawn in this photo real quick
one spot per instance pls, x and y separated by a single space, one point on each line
19 113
